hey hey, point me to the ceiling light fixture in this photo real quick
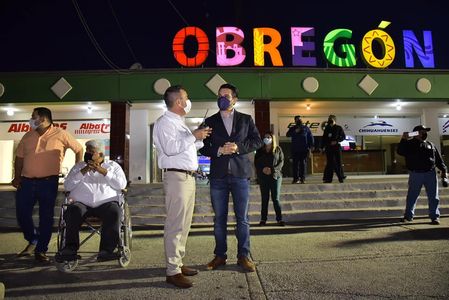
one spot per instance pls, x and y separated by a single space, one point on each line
89 110
308 106
10 112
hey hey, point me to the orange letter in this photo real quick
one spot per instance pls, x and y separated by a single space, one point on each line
178 46
260 48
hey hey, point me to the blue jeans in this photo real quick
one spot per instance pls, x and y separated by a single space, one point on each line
415 182
219 192
29 192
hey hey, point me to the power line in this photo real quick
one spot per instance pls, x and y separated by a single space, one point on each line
91 36
179 14
122 32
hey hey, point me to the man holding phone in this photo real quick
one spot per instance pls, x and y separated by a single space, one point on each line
421 158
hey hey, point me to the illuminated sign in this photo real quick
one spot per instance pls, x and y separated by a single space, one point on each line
79 129
337 47
178 46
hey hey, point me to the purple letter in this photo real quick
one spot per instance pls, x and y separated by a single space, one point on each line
298 46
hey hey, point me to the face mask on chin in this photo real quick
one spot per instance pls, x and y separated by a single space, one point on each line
188 106
33 124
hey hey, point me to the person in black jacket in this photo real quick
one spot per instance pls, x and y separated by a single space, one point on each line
302 145
233 138
332 136
269 161
421 157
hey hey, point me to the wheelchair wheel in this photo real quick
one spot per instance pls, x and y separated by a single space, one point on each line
67 266
127 228
125 257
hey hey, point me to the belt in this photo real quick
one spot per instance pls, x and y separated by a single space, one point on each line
191 173
42 178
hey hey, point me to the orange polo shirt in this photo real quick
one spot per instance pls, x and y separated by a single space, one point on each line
43 154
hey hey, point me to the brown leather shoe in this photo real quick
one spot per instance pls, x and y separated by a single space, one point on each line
186 271
28 251
246 264
216 262
180 281
41 257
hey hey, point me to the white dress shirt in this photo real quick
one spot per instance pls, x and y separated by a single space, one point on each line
93 188
175 144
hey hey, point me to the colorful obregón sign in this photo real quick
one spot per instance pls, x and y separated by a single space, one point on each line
266 43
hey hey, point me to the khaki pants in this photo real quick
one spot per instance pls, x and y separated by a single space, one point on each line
179 189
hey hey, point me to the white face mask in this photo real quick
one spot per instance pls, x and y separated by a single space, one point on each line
33 124
188 106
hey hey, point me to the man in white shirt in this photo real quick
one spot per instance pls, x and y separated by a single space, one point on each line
95 186
177 156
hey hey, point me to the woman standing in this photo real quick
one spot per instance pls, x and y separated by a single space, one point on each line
269 161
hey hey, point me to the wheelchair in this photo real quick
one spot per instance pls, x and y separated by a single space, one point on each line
94 227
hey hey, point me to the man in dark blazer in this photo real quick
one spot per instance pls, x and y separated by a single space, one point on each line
233 137
333 135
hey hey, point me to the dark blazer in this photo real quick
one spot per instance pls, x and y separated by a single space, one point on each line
244 134
332 133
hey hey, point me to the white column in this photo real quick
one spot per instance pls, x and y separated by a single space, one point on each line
139 145
430 119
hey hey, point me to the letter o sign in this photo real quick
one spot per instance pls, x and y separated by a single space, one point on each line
178 46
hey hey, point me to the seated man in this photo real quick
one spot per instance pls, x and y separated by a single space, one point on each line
95 186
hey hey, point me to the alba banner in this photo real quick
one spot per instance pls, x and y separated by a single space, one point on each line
84 129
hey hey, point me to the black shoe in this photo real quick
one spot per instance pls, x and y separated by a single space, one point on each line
262 223
41 257
406 220
106 256
281 223
28 251
327 181
435 221
295 181
341 180
302 181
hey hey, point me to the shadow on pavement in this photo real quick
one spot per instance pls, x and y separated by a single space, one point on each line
291 228
45 280
425 234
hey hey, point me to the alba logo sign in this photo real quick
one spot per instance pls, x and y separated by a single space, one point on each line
85 129
93 128
25 127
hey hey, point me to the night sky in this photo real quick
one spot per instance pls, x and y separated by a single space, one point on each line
48 35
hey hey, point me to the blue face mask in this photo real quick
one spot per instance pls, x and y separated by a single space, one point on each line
223 103
267 141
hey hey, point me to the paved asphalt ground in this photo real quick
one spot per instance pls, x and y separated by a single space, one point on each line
376 259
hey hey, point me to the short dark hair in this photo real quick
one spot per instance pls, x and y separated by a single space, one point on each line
333 117
297 117
44 112
233 88
168 95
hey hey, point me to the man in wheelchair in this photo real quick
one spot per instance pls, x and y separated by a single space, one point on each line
95 186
